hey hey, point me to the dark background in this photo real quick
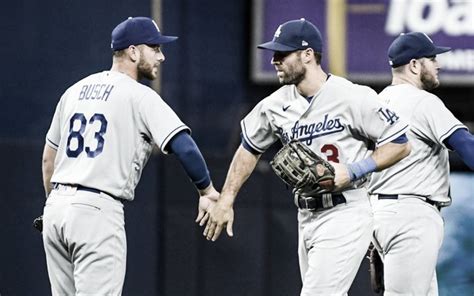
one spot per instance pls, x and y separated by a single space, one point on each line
49 45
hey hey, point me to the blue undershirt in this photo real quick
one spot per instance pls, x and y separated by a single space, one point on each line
462 142
188 154
400 140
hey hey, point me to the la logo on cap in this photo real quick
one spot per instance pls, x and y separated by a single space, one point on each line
156 26
278 32
427 37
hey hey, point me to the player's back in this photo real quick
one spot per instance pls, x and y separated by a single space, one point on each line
102 139
425 170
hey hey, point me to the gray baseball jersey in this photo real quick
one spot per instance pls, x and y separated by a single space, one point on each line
104 129
426 170
342 121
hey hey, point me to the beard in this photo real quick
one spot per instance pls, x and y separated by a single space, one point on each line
294 75
428 80
145 69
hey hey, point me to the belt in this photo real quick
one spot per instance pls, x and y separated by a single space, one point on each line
320 202
84 188
395 196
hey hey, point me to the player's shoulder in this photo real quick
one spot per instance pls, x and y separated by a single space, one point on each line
353 90
92 78
77 86
125 87
429 98
79 83
130 85
430 104
411 94
284 93
149 94
146 97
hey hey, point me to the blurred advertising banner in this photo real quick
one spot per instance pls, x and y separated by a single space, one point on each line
357 34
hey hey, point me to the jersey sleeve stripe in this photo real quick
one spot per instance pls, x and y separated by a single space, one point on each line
171 135
248 147
247 139
450 131
52 144
393 136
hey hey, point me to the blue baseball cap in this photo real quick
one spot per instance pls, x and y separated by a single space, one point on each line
138 30
414 45
295 35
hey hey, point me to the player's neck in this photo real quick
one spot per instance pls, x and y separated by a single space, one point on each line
313 82
125 69
403 79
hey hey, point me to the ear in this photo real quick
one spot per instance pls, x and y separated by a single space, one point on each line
414 66
133 53
307 55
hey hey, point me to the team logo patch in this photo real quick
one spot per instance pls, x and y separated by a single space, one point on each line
388 115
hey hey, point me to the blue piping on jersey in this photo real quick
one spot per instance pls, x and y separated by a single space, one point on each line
253 146
171 135
451 131
52 143
248 147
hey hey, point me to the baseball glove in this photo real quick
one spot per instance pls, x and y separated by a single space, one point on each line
38 223
301 168
375 269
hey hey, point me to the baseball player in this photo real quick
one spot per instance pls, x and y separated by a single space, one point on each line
334 118
407 197
101 136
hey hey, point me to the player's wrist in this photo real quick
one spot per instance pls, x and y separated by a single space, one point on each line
360 169
227 199
207 190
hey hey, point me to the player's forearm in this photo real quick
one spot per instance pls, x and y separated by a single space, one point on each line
383 157
240 169
49 154
389 154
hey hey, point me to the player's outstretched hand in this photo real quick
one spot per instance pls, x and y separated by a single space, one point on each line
207 197
221 214
342 178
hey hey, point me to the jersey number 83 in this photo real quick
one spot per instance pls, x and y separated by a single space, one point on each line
77 135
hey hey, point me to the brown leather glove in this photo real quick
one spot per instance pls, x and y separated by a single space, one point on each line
298 166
